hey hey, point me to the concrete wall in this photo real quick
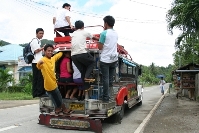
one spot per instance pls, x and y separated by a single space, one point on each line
14 68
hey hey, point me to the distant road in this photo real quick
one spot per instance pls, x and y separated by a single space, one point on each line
24 119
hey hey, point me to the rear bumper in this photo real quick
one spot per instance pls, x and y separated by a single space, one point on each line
71 122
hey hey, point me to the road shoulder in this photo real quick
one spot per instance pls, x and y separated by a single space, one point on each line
15 103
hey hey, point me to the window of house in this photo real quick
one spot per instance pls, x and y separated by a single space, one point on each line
22 75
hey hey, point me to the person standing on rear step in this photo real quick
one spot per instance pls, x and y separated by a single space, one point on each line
47 67
83 60
109 56
162 82
38 82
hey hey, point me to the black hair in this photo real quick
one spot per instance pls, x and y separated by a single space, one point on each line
58 62
79 24
38 30
66 5
109 20
48 45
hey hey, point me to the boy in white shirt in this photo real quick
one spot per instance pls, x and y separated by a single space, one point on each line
62 20
38 82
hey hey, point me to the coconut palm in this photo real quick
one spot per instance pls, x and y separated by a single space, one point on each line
5 78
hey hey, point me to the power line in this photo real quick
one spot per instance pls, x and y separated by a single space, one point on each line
38 10
131 40
101 16
49 13
148 4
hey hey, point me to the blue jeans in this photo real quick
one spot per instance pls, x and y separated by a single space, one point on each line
56 97
162 89
108 71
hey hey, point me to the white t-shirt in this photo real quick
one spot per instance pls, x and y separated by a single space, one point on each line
162 82
109 40
61 18
78 41
36 44
76 73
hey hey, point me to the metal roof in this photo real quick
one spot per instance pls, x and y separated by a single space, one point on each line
10 53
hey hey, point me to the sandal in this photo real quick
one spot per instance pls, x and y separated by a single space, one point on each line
59 111
89 80
67 111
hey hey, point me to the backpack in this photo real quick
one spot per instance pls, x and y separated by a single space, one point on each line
27 53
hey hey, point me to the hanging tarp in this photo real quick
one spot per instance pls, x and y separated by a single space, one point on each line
128 63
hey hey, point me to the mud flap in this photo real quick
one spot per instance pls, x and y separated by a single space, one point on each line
71 123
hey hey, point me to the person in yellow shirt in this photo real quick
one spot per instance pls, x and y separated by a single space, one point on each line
47 67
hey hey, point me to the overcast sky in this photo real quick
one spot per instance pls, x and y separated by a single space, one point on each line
141 24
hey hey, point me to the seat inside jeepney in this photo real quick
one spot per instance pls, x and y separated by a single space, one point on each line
59 38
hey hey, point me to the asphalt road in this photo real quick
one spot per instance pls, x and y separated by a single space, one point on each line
24 119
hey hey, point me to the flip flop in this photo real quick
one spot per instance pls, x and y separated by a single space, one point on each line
68 112
89 80
73 98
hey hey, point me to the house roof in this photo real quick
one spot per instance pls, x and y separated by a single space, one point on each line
10 53
186 67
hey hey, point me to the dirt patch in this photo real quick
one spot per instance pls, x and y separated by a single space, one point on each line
175 116
15 103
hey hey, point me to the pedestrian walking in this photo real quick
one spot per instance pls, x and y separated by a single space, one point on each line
162 82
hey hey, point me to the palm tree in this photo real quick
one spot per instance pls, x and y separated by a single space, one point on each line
5 78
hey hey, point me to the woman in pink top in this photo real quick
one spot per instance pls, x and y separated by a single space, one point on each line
66 73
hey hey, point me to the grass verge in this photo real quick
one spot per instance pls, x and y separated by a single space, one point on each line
15 96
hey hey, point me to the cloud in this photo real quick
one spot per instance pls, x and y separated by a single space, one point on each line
146 31
93 3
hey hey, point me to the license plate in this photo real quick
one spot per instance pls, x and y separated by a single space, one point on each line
69 123
76 106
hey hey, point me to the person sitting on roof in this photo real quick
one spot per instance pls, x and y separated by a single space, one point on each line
62 20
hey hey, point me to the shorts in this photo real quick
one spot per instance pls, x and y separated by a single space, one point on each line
79 81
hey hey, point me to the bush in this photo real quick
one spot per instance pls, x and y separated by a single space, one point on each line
15 88
28 88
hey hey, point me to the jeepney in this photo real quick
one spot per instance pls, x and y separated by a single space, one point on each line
125 93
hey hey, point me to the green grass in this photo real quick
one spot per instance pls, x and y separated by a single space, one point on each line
15 96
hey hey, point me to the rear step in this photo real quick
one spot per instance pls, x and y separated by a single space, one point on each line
72 122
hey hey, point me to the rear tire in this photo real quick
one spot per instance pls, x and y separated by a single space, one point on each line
119 115
139 104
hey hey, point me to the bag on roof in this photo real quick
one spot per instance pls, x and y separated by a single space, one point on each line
27 53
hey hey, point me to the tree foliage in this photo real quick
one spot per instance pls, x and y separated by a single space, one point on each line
183 15
5 78
149 73
3 43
